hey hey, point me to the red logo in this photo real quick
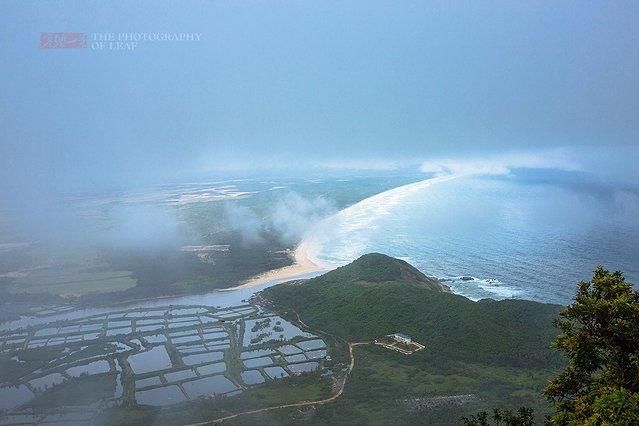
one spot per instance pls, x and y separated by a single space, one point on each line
63 40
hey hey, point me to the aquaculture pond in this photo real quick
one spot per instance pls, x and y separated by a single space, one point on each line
156 356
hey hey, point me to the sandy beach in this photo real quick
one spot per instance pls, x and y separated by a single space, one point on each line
302 265
361 213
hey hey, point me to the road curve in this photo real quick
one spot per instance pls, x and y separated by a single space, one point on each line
332 398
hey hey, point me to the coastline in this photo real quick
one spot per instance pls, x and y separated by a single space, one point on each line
302 264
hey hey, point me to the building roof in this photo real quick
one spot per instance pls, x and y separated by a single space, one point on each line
402 336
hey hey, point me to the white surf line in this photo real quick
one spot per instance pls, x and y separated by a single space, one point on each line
364 214
302 266
359 215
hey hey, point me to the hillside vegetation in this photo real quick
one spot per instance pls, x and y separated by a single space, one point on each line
498 351
379 268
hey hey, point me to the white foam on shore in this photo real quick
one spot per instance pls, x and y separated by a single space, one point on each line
490 287
341 238
352 225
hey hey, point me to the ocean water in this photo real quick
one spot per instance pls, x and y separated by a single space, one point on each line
526 235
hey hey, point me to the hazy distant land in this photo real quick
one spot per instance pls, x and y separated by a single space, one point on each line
144 245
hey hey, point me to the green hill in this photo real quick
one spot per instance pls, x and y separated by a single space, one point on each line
379 268
498 351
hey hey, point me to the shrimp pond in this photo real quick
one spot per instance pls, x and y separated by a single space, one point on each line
68 371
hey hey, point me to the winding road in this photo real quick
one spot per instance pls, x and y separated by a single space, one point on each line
332 398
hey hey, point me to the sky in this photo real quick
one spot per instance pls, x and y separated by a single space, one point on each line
306 85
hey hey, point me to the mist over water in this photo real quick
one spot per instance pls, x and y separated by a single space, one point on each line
521 235
162 162
528 233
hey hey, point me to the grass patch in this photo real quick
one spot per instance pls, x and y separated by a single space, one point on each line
73 283
293 389
83 390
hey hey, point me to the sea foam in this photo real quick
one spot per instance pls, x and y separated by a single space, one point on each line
344 236
519 239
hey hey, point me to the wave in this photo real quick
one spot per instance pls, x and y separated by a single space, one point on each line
514 237
352 226
465 284
373 225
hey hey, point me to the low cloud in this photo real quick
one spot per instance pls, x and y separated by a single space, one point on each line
501 164
294 215
143 226
244 220
290 217
364 164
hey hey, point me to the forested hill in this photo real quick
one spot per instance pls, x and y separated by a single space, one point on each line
498 352
379 268
377 295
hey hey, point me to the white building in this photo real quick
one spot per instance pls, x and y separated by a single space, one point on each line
402 338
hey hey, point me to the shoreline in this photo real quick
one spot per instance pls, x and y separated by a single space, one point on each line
302 261
302 264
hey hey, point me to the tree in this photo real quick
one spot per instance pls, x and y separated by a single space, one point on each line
479 419
599 334
523 417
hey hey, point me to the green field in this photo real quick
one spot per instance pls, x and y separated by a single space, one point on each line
73 283
62 271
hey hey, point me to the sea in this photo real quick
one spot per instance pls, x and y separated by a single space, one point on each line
528 234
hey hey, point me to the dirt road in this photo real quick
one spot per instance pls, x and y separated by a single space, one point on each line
332 398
